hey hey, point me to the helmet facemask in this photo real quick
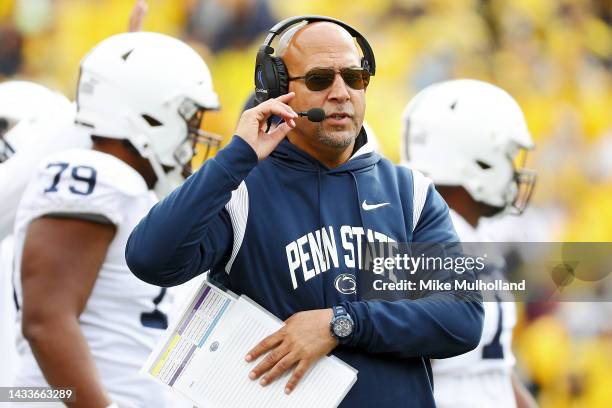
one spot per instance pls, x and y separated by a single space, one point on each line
171 175
204 144
6 150
524 180
512 196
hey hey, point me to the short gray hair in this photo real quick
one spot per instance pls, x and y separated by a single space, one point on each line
285 38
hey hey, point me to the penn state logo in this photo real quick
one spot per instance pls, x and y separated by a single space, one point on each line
346 283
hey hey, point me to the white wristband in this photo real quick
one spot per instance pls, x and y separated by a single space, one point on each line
113 405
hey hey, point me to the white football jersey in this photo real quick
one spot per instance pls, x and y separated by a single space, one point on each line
481 377
7 314
124 316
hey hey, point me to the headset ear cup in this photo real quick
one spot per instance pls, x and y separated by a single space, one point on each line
270 78
282 79
265 75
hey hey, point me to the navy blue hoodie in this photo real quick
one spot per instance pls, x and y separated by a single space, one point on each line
282 230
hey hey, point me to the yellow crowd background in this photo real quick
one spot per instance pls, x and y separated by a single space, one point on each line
553 56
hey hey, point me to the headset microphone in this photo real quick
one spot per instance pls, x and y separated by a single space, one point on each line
314 114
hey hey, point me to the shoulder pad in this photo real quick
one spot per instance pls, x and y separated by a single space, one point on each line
82 182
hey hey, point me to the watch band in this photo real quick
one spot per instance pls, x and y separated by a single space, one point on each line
339 310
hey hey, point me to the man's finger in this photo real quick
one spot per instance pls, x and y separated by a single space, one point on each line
281 130
279 109
286 97
297 375
261 114
266 344
137 16
269 361
276 107
284 364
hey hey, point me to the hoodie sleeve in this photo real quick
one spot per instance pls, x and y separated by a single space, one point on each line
438 324
190 230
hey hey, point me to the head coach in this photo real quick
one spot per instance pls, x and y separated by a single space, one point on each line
280 219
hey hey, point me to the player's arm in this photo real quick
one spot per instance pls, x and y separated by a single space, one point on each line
60 264
523 397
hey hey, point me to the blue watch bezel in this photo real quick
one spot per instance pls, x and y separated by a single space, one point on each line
340 313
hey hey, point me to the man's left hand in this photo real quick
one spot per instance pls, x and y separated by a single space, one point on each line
305 338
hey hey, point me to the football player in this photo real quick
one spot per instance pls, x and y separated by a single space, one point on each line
87 322
465 135
34 121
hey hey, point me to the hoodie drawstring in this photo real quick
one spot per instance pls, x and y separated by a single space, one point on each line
358 199
364 241
322 281
319 197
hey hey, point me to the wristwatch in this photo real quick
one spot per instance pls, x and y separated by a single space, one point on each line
342 324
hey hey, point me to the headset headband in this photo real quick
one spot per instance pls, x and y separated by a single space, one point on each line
281 26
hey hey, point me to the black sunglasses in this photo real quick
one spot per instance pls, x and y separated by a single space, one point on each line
319 79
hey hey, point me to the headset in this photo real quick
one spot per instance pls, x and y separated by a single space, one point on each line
271 78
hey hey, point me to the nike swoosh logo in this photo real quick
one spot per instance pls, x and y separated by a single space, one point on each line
368 207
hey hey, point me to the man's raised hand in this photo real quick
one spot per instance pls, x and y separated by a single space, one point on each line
253 122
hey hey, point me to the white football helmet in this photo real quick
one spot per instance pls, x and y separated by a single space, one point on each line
23 105
468 133
152 90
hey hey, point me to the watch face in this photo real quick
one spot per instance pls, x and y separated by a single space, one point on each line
343 327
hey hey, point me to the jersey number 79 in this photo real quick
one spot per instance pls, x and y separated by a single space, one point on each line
84 178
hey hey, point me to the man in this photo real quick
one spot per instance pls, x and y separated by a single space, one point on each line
281 219
464 135
87 322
